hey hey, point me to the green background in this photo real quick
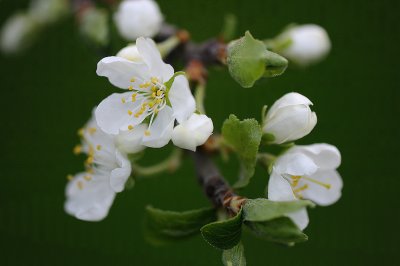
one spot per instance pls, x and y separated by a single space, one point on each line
49 92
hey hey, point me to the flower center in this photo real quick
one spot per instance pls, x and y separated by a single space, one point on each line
298 186
152 95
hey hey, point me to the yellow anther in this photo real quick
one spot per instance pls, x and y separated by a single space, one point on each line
144 85
77 149
133 79
123 100
158 101
80 185
130 112
137 115
130 127
134 97
98 147
89 160
90 171
153 95
154 80
92 130
70 177
154 88
156 111
151 104
130 88
87 177
147 132
159 92
81 131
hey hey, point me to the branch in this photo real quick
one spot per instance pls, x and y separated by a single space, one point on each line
214 185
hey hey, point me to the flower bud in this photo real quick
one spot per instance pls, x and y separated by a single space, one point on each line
138 18
193 132
17 33
131 53
290 118
306 44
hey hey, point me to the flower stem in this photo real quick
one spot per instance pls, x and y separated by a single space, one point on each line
199 97
170 164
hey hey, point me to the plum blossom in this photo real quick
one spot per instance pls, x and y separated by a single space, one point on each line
156 96
91 193
290 118
138 18
306 172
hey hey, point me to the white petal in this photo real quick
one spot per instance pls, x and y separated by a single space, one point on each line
324 155
193 132
90 200
295 164
112 114
289 99
320 194
120 175
279 188
300 218
152 57
120 71
181 98
130 141
161 129
131 53
290 123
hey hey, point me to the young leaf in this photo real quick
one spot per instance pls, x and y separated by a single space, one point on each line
248 60
244 137
234 256
280 230
167 226
224 234
260 210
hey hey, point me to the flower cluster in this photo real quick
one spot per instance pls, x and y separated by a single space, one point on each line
302 172
157 107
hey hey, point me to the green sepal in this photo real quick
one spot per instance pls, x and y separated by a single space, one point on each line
281 230
248 60
169 83
234 256
163 227
261 210
224 234
244 137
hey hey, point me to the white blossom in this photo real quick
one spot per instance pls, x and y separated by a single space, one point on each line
193 132
308 44
16 33
290 118
138 18
90 194
155 96
306 172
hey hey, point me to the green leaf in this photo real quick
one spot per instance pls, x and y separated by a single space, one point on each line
234 256
162 226
244 137
260 210
224 234
248 60
280 230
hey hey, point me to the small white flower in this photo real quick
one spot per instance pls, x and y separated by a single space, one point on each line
308 44
131 53
48 11
290 118
306 172
16 33
150 98
193 132
138 18
90 194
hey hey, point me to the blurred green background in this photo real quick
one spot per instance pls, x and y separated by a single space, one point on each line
47 93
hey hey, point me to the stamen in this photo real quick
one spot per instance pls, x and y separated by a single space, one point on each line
159 92
87 177
154 80
130 127
130 112
300 188
98 147
89 160
147 133
144 85
92 130
77 149
123 100
80 185
133 79
134 97
327 186
130 88
81 131
70 177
